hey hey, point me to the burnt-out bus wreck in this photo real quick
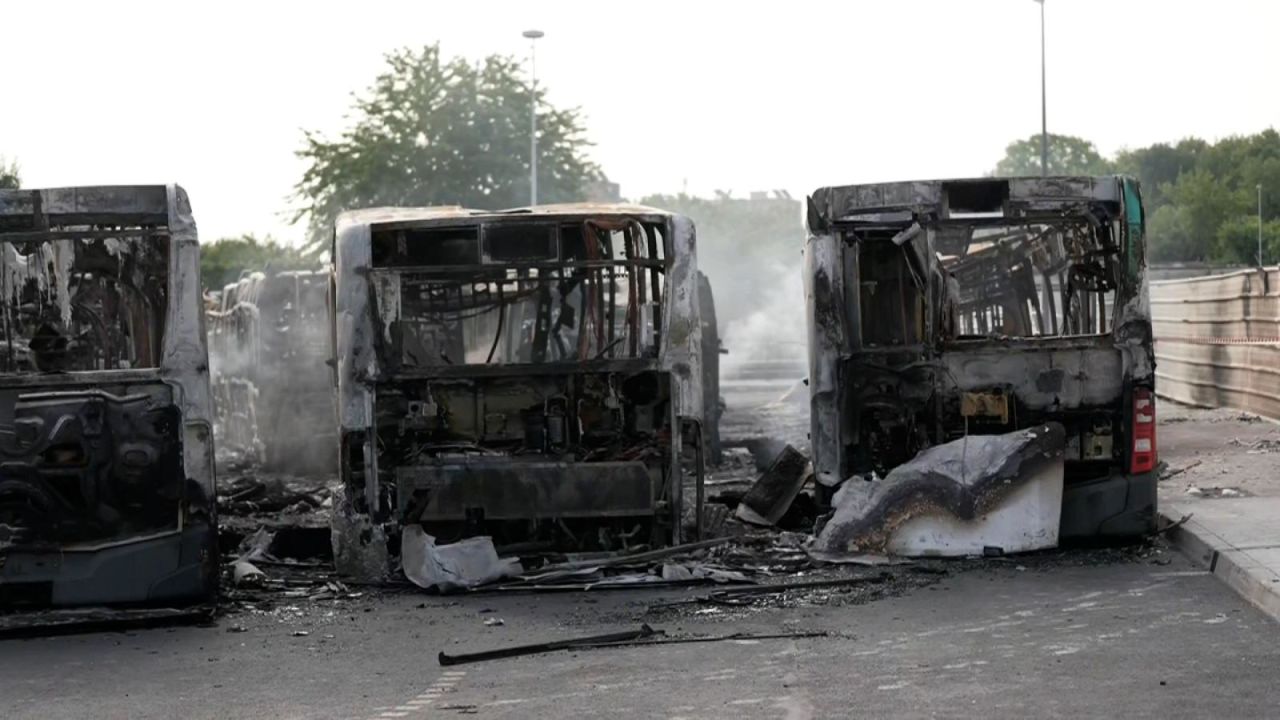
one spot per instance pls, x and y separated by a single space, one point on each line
273 391
950 308
106 452
531 375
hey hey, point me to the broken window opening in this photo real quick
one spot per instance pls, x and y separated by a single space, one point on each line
1033 279
80 299
538 293
891 293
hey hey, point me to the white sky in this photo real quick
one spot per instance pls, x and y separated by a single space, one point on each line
731 96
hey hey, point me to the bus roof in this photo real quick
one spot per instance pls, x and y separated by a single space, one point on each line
451 214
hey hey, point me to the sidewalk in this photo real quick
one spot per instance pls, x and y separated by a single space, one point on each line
1237 539
1224 475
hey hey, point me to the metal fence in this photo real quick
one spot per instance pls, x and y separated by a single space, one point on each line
1218 340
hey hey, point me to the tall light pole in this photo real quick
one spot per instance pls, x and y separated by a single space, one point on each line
1259 224
533 36
1044 123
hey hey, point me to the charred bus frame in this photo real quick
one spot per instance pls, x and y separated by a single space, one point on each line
533 375
106 446
942 308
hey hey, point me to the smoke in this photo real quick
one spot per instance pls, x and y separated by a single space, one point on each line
272 389
773 329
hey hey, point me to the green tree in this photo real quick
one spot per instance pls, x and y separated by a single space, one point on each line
222 261
1200 197
1185 228
1068 155
1159 164
431 131
9 176
1236 242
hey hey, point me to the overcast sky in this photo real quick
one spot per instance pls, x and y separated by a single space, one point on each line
214 95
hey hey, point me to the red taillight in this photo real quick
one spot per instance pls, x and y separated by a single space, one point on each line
1142 457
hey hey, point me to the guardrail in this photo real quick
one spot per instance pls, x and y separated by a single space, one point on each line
1217 340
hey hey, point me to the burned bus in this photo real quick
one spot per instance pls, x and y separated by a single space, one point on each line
106 480
532 375
945 308
273 391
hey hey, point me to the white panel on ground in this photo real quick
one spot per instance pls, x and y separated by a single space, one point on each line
1026 520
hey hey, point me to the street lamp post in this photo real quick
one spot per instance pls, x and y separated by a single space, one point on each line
1044 124
1259 224
533 36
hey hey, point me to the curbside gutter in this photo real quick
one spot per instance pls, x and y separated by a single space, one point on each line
1244 570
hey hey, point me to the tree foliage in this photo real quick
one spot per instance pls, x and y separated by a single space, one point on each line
1236 241
10 179
436 131
222 261
1200 197
1068 155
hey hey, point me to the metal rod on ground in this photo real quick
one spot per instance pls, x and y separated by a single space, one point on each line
599 586
724 596
538 648
638 557
807 585
711 638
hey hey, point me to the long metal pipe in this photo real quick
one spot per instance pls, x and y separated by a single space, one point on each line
533 36
1044 123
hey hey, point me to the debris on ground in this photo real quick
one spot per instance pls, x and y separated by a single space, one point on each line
465 564
1214 492
1000 491
737 467
48 622
772 495
1263 446
641 637
245 574
1167 473
643 631
1174 525
272 494
743 595
686 639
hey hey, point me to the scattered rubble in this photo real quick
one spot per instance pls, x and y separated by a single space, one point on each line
465 564
1263 446
772 495
1215 492
247 575
68 621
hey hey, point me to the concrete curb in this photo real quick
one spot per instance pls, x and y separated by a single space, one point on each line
1253 581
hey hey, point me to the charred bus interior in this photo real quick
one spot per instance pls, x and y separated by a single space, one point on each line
521 394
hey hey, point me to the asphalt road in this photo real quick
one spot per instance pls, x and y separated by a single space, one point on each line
1080 635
